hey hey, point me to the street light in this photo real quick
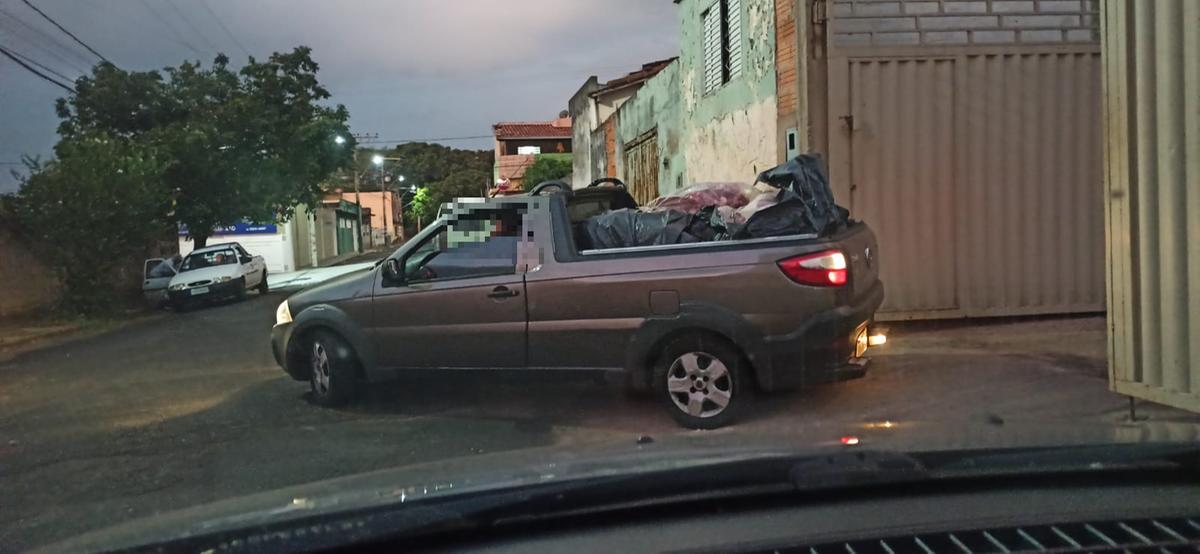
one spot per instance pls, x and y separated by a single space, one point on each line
377 160
339 139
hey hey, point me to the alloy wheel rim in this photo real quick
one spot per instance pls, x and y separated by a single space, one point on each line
699 384
320 368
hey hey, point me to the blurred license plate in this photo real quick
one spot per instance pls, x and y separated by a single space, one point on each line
201 290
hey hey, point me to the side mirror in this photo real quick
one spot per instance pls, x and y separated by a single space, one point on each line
392 272
246 259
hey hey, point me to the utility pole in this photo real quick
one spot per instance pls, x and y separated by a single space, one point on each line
357 192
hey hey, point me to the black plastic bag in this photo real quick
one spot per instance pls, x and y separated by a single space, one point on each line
708 225
805 205
624 228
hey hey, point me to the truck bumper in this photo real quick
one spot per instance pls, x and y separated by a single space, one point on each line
216 290
281 341
824 350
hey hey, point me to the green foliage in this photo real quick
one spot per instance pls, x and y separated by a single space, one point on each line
422 163
470 183
91 211
546 168
250 144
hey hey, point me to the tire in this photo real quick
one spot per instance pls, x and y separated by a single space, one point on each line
695 374
332 367
263 287
239 290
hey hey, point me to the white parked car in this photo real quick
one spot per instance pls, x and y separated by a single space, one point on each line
219 271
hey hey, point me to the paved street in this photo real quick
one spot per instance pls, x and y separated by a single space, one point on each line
185 409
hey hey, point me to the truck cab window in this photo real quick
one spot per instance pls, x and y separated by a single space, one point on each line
475 246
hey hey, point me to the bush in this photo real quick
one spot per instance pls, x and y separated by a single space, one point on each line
90 212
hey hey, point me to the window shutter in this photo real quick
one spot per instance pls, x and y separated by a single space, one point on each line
712 48
733 42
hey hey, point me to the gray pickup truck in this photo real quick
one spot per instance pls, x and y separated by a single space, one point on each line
502 284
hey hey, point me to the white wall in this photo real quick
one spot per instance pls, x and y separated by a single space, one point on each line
276 249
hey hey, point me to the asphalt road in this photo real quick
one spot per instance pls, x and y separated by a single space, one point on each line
180 410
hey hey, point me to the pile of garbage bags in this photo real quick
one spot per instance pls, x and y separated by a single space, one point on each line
791 199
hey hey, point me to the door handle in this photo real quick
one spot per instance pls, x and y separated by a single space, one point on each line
503 292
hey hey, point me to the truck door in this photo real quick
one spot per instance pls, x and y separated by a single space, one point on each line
462 304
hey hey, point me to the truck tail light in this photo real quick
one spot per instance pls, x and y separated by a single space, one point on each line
823 269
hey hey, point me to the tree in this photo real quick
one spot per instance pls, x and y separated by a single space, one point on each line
463 184
245 145
91 210
546 168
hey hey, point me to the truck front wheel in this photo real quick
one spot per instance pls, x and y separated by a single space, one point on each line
701 381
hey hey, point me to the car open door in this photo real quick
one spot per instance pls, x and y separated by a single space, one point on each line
461 303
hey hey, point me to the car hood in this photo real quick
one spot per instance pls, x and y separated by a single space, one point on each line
408 487
351 285
205 273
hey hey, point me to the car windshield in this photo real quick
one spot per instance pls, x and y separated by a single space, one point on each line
275 258
209 258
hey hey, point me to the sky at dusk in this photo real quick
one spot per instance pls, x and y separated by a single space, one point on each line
406 69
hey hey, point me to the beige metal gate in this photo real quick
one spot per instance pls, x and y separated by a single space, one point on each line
981 175
902 123
641 167
1152 132
970 140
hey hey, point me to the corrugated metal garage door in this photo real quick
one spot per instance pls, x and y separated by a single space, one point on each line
903 123
970 140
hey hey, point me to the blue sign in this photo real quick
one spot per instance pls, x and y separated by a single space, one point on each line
239 229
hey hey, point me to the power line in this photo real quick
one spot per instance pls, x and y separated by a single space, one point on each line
40 34
204 38
178 36
224 28
40 66
12 57
441 139
64 30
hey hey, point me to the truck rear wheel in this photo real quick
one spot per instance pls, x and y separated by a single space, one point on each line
263 287
332 369
701 381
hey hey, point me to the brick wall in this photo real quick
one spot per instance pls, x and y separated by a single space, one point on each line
786 65
935 22
610 146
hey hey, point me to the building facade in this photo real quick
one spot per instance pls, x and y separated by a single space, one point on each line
594 118
383 225
518 145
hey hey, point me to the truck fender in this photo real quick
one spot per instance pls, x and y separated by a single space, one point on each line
647 340
336 320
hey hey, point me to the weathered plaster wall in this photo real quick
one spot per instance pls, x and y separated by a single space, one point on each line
583 126
728 134
656 105
731 132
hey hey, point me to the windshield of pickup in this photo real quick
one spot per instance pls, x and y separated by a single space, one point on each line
209 258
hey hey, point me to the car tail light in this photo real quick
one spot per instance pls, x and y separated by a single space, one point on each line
823 269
